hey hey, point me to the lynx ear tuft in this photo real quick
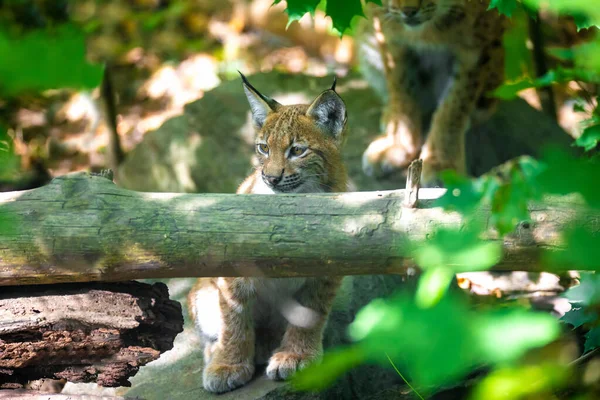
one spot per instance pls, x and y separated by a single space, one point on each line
329 113
334 83
260 104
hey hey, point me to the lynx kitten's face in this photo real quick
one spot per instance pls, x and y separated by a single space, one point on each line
292 153
298 146
416 12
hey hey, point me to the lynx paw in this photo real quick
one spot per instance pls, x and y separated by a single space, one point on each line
384 157
284 364
219 378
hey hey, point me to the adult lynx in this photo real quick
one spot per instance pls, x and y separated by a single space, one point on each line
449 51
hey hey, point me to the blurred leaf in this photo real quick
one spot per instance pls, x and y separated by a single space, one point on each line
510 90
592 339
507 334
589 138
463 194
581 250
520 382
505 7
587 292
578 316
457 250
59 62
439 344
403 331
586 12
509 204
566 174
322 374
508 188
518 58
9 161
433 284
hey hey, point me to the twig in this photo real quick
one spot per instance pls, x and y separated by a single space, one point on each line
413 182
115 152
541 66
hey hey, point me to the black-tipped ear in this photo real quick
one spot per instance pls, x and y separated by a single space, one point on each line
329 113
334 83
260 104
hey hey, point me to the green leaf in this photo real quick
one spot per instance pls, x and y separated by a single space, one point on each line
592 339
510 90
9 161
507 334
566 174
509 203
518 58
587 292
520 382
578 316
433 284
589 138
296 9
435 345
505 7
457 250
342 12
581 250
462 194
322 374
59 61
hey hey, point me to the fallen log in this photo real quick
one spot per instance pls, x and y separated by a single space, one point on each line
83 227
92 332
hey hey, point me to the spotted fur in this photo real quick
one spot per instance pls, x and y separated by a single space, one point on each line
448 50
280 322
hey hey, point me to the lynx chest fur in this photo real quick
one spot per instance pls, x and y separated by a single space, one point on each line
442 58
246 322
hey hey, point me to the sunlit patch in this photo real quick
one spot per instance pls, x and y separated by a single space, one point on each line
298 315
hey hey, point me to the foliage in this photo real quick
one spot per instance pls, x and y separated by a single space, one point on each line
342 12
59 56
462 339
434 336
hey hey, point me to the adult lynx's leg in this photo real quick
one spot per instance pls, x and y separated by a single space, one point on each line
301 345
445 145
230 361
400 143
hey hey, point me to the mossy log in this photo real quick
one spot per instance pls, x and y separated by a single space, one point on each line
84 332
83 227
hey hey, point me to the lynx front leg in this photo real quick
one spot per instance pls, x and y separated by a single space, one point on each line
302 345
399 145
230 361
445 145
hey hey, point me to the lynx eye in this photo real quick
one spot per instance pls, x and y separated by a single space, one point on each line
263 148
297 151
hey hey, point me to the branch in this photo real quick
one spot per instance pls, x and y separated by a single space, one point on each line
85 228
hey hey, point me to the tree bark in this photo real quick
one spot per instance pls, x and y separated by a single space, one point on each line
82 227
92 332
36 395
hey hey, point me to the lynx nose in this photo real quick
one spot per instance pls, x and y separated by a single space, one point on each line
272 179
409 12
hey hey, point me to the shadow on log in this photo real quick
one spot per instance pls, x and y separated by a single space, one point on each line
95 332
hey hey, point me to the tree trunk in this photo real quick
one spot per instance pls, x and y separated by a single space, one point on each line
84 228
93 332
